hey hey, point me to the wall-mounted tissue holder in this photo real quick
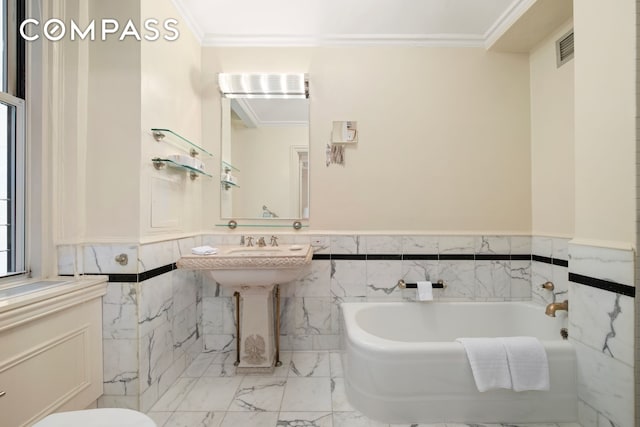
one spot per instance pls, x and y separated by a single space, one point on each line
435 285
345 132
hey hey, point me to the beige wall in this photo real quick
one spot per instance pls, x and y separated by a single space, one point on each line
67 127
552 140
444 134
94 117
106 97
170 98
113 127
605 111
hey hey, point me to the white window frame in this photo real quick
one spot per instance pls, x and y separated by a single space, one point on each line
18 190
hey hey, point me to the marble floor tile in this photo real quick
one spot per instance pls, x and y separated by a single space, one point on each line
250 419
497 425
283 370
259 394
307 395
160 417
305 419
339 402
224 357
227 369
310 364
335 362
172 398
307 391
193 419
425 425
210 394
198 366
354 419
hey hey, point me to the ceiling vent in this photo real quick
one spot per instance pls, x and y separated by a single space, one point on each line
564 48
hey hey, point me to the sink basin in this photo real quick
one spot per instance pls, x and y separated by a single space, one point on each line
238 266
256 251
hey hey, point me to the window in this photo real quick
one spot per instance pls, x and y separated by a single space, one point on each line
12 140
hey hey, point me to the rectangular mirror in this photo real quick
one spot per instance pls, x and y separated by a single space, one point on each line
265 157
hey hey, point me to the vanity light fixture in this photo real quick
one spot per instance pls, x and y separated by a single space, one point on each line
264 85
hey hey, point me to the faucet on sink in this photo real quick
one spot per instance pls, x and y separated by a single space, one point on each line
248 241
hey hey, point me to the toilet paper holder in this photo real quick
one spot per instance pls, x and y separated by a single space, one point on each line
436 285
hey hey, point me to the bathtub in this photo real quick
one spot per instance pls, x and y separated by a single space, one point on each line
402 365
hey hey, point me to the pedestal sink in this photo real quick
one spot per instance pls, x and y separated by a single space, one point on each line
252 272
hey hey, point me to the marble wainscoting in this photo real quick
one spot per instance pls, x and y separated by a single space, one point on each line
601 326
549 264
152 317
350 268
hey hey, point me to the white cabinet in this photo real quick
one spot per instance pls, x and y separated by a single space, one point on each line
50 352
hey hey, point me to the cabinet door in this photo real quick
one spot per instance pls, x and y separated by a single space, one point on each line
52 365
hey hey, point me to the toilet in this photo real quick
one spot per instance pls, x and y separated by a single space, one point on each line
104 417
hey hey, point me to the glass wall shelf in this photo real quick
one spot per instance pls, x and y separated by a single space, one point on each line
194 149
228 184
228 167
159 163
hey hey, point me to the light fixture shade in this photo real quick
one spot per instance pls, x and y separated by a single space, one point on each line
264 85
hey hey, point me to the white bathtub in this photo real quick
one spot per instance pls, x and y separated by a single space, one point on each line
402 365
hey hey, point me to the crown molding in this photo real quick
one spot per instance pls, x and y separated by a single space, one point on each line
506 20
515 11
287 40
188 18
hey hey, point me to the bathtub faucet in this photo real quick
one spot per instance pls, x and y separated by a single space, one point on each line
555 306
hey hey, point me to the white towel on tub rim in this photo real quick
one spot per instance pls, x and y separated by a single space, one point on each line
488 361
528 363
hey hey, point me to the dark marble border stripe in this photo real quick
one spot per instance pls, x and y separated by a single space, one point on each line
384 257
433 257
121 278
492 257
457 257
560 262
133 277
552 261
606 285
349 257
420 257
541 258
150 274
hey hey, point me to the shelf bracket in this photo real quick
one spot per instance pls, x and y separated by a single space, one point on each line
159 164
158 136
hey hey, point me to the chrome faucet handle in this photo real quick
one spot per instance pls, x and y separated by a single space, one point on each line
274 241
249 240
261 242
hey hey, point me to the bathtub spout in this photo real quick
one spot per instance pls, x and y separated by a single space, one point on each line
553 307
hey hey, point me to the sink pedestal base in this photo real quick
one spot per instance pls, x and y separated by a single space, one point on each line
257 336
